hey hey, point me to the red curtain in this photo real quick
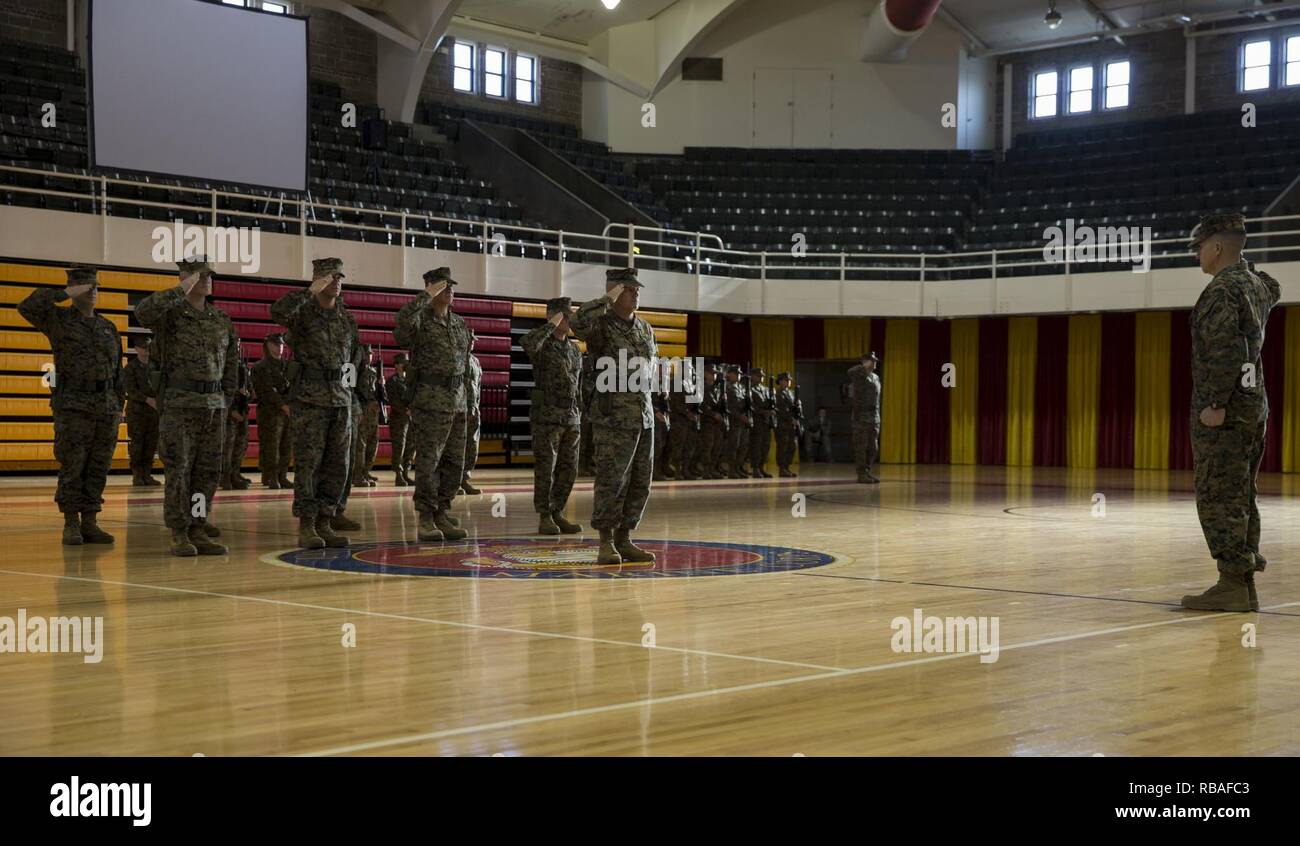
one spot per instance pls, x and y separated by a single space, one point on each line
1180 391
1049 390
991 441
1274 375
809 339
933 423
737 347
1116 404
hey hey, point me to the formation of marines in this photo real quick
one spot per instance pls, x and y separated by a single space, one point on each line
187 394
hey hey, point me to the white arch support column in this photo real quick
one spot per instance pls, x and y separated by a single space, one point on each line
679 28
402 66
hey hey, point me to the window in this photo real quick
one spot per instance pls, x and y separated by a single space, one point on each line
1256 65
1045 85
1080 90
1117 82
277 8
494 72
462 66
525 79
233 2
1292 76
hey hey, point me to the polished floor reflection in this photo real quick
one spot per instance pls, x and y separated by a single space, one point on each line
769 626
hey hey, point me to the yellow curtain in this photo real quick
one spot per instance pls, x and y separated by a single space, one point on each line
710 343
1290 392
847 337
1022 369
898 392
1083 390
963 397
772 347
1151 391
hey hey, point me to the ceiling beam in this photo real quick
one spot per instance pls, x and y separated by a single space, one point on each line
369 21
973 41
1106 20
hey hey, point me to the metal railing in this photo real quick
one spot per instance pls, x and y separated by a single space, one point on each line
618 244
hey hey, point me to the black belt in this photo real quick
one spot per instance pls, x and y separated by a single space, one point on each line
85 386
316 375
440 381
195 387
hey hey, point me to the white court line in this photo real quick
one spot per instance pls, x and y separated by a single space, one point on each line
742 688
411 619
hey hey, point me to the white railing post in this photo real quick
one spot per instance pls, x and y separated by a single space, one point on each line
995 264
559 264
631 245
922 268
213 192
699 261
103 212
487 250
302 236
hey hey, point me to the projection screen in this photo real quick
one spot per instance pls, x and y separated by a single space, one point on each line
199 90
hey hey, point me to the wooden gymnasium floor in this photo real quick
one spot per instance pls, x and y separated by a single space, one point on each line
240 656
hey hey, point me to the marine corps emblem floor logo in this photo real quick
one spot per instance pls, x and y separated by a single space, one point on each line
535 558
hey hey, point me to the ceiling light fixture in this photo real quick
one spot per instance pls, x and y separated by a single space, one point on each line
1052 18
610 4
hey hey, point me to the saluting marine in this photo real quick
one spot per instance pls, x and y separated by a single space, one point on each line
553 416
141 413
271 385
866 417
85 397
197 358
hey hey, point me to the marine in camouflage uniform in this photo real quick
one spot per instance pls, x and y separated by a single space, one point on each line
399 419
760 437
197 353
553 416
622 420
437 341
715 420
1229 408
737 444
473 419
787 425
141 414
85 397
237 433
866 417
366 406
271 385
684 431
323 335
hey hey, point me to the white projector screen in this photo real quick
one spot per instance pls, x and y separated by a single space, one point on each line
199 90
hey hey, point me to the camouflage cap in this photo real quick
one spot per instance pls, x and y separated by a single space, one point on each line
757 371
870 355
400 358
783 376
326 267
557 305
274 338
83 275
439 274
1213 224
139 341
621 276
712 368
191 265
733 368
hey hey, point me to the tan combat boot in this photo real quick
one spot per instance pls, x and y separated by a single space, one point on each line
343 523
631 552
90 531
72 529
325 528
181 544
448 529
565 526
429 530
203 544
307 537
1230 593
608 554
468 488
1250 592
546 525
